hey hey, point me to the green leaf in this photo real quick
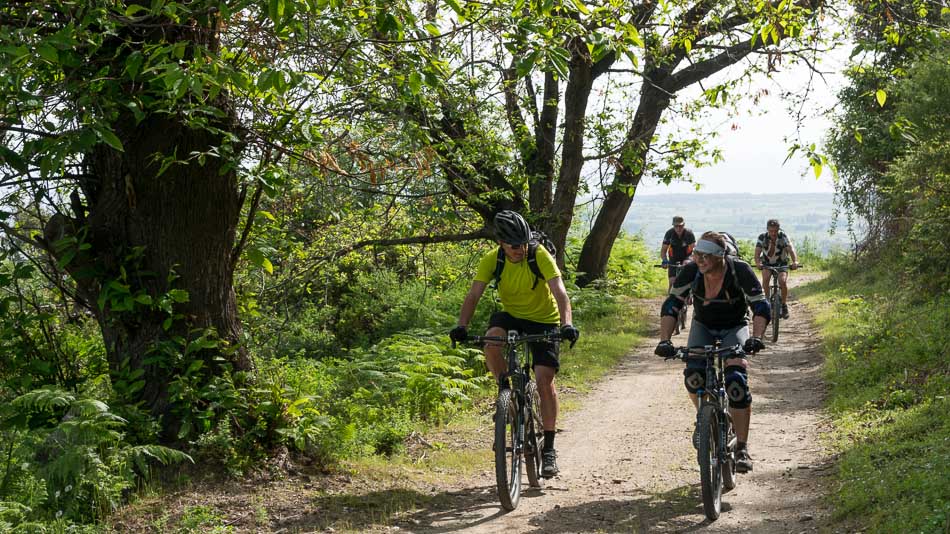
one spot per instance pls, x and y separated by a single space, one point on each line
178 295
881 97
133 9
459 10
415 82
110 138
432 29
579 4
276 11
48 53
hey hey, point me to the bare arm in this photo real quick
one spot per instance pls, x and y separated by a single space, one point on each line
664 251
563 301
758 256
793 253
471 302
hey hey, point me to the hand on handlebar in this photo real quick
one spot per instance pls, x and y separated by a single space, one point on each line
458 334
570 333
753 345
665 349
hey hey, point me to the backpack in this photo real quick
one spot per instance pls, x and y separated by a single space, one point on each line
732 246
537 239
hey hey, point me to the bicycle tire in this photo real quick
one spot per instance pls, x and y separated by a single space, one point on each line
682 317
507 450
533 435
710 472
729 459
776 313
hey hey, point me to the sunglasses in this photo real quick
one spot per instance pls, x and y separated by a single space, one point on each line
701 256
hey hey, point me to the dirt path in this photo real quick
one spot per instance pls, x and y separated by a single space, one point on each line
627 464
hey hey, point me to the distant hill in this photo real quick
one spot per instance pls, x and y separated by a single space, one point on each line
804 216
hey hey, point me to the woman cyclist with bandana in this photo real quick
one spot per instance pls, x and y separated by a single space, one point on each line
723 288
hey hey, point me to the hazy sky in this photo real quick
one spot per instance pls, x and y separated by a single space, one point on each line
753 141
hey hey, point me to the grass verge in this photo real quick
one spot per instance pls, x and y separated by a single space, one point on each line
888 369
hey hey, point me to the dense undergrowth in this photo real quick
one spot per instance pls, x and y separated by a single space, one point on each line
887 342
345 369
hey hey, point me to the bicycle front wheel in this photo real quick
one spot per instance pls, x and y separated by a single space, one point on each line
533 435
729 455
710 472
507 450
776 313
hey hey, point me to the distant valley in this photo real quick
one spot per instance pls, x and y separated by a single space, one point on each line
806 217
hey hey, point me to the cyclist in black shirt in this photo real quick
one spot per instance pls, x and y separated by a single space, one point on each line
677 244
723 289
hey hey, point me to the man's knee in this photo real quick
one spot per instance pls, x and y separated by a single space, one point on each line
737 387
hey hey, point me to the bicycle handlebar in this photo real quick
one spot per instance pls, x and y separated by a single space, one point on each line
783 268
660 265
553 335
707 352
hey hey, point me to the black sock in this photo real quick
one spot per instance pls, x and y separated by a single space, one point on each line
549 439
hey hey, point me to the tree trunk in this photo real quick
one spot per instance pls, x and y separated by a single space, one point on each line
153 224
572 152
592 263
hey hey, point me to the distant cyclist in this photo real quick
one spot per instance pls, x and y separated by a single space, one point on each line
774 249
723 288
529 308
677 244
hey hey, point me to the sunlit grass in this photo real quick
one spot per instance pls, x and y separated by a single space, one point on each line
889 374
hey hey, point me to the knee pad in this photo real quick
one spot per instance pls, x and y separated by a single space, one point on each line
737 387
695 379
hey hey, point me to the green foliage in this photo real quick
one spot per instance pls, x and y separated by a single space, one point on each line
630 269
66 457
886 344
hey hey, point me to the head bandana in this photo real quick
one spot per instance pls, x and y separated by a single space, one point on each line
709 247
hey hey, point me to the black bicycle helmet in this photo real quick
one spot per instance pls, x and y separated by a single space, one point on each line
511 228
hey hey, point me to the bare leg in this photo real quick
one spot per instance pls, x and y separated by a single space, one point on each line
549 404
740 421
494 357
783 283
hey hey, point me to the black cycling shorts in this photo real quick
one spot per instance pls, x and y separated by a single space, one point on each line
543 353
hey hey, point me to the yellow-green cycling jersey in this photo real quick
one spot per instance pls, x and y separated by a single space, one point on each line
514 287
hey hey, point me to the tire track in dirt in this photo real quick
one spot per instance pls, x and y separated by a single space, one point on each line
627 464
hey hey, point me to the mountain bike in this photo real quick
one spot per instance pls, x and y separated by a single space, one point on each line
775 294
519 434
684 311
714 438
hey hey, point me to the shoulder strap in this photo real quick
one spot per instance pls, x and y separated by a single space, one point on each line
730 264
533 263
499 267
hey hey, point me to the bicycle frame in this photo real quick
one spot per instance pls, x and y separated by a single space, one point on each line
519 401
775 296
717 467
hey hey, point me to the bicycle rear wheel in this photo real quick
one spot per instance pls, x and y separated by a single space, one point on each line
710 472
533 436
507 450
776 313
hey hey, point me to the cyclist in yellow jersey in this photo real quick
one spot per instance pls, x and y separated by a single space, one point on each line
529 307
